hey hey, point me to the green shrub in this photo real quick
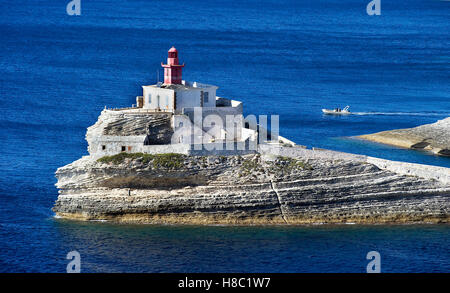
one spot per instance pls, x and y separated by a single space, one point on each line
292 164
168 161
119 158
249 165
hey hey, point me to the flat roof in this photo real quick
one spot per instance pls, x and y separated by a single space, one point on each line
186 85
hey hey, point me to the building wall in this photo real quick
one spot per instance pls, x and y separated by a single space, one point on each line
185 131
222 149
188 98
166 98
111 144
218 115
234 113
206 88
196 95
134 145
211 102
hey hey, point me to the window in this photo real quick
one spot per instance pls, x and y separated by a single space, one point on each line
103 147
123 148
149 99
129 149
206 97
167 101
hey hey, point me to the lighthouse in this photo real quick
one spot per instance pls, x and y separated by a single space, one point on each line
175 94
172 70
176 115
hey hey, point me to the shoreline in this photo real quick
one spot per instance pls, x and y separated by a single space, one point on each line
381 138
202 220
432 138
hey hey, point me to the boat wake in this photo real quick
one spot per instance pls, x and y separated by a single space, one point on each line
402 113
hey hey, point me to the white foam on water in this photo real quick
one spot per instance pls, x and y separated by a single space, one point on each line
401 114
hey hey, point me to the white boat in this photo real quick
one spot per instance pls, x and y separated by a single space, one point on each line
337 111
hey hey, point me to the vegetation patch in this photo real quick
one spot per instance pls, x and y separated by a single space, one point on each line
119 158
249 167
287 164
167 161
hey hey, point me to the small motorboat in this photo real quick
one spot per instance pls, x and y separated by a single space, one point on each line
337 111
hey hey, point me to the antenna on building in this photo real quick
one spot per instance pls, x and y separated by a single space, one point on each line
158 83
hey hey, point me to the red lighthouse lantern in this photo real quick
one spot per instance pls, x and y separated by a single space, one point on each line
172 70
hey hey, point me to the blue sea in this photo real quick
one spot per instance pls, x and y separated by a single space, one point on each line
287 58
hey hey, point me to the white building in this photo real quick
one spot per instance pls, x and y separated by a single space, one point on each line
176 116
184 99
176 97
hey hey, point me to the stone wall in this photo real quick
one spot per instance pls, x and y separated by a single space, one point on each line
223 149
424 171
134 145
209 114
300 151
441 174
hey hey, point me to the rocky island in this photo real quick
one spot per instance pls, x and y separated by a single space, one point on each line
432 137
161 161
249 189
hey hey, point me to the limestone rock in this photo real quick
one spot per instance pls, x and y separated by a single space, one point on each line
156 126
252 189
432 137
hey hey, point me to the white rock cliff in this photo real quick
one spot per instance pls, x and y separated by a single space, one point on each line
289 185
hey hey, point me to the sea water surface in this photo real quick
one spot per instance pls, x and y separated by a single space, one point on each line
287 58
